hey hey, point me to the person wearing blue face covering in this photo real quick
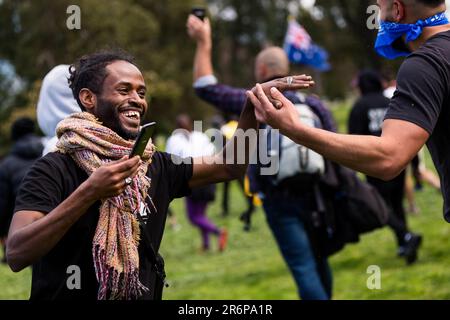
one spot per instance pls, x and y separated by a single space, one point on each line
390 32
418 113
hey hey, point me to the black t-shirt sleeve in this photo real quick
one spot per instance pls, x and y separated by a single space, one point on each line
421 91
41 189
177 172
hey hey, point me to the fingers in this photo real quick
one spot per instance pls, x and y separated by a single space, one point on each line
125 164
196 23
131 173
264 101
276 103
254 100
278 96
293 83
303 81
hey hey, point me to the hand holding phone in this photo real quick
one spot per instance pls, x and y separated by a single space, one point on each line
141 142
199 13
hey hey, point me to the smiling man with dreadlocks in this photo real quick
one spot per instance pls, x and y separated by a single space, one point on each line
79 208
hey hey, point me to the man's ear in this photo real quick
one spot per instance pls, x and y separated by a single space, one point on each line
88 99
398 11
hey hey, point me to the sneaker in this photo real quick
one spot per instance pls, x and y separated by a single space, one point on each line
412 244
223 239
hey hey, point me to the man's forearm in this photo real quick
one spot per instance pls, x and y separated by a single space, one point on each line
367 154
239 147
31 242
232 161
202 61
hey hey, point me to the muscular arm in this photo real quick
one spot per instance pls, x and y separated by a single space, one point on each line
33 234
382 157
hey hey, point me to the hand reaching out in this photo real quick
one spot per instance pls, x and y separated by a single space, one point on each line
285 84
285 118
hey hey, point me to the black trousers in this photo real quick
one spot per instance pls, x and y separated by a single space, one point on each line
393 192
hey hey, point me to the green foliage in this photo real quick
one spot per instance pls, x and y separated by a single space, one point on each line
34 38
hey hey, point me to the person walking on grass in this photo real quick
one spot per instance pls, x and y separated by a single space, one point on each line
185 142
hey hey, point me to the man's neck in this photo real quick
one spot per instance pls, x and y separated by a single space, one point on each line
427 34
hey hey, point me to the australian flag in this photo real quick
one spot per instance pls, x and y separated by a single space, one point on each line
300 48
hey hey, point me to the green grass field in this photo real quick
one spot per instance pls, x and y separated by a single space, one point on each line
252 268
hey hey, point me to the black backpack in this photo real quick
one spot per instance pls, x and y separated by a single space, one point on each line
346 208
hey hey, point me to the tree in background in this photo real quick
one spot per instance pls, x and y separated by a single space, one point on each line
34 38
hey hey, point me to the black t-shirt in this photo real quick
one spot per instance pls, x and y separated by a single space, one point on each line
422 97
368 114
50 181
367 118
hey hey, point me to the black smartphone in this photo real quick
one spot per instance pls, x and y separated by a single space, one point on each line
199 12
141 142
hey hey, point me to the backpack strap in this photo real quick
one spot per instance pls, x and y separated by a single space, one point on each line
155 259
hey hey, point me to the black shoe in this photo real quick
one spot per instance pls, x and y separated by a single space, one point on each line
412 244
245 218
401 251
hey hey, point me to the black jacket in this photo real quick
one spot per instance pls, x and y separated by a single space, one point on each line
13 169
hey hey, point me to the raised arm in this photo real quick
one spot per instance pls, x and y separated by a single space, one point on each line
224 97
33 234
201 32
232 161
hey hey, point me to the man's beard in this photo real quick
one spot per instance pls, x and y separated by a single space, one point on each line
108 114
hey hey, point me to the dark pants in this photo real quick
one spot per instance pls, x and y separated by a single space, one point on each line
226 194
284 216
393 193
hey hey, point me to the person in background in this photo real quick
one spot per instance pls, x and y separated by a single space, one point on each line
227 131
55 102
417 169
285 207
27 147
185 142
366 118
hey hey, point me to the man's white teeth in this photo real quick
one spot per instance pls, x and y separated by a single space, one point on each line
131 114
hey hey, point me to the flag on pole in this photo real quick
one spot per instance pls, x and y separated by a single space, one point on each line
300 48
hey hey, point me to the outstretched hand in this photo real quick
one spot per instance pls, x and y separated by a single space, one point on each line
285 117
285 84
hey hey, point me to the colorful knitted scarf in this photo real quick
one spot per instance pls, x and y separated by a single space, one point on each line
115 244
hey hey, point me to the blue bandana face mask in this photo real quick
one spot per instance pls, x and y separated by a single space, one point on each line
391 32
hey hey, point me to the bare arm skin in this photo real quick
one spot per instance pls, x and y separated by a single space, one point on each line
201 32
382 157
207 173
33 234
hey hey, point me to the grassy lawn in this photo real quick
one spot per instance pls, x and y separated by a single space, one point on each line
252 268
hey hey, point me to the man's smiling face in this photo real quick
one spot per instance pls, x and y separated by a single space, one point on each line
121 105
